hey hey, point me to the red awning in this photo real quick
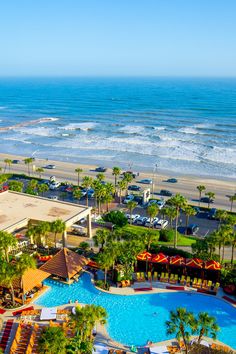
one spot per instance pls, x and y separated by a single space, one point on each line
194 263
212 265
144 256
160 258
177 261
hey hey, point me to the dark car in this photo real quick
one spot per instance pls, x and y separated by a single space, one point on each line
138 199
50 167
100 169
133 187
212 214
15 161
134 175
206 200
172 180
166 193
197 209
190 230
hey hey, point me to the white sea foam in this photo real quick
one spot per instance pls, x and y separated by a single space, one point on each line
189 130
17 139
39 131
132 129
80 126
222 155
47 119
2 107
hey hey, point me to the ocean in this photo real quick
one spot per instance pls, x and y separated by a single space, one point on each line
172 125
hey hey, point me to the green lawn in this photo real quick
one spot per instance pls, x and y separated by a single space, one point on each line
182 241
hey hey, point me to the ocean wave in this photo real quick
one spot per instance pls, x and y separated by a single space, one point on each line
39 131
132 129
86 126
222 155
3 107
47 119
17 139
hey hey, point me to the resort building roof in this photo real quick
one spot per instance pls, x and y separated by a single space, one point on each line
30 279
65 264
16 209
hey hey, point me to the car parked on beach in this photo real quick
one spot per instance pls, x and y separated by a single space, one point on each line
146 181
172 180
101 169
133 187
165 193
50 167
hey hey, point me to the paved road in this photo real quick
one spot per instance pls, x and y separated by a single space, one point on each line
186 185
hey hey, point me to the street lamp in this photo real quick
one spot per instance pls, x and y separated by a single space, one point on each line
153 179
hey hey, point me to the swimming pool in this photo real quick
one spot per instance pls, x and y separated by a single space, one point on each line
136 319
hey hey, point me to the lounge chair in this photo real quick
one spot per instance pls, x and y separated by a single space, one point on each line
216 287
155 276
199 283
138 276
172 279
188 280
194 285
149 276
142 276
182 280
162 277
209 284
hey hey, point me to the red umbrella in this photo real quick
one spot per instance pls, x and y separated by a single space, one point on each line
144 256
160 258
194 263
177 261
212 265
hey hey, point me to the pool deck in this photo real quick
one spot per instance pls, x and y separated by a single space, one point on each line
102 335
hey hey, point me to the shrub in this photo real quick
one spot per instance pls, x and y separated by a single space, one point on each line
166 235
101 284
116 217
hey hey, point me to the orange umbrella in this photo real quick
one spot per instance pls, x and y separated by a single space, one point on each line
212 265
93 264
144 256
177 261
194 263
160 258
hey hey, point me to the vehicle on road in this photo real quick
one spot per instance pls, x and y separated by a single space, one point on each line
190 230
15 161
101 169
134 175
141 220
165 193
146 181
133 187
197 209
206 200
161 224
128 198
172 180
50 167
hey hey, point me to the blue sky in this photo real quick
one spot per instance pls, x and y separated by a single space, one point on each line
118 37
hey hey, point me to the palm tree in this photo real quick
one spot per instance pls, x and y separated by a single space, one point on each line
57 226
41 230
3 179
42 188
122 185
148 238
24 263
78 170
189 211
8 163
222 215
211 196
233 245
27 162
77 194
7 276
109 192
105 261
100 176
200 189
131 205
101 238
100 193
128 177
224 236
53 340
206 326
179 324
7 242
114 249
39 170
171 213
212 240
116 171
232 198
178 202
152 211
86 183
15 186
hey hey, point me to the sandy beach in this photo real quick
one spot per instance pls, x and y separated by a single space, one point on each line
65 171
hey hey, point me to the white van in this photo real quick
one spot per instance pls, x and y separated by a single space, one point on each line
78 230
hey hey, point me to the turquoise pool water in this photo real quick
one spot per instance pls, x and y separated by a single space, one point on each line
136 319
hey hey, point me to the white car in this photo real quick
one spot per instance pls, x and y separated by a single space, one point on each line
160 203
53 197
150 222
161 224
133 217
128 198
141 220
54 185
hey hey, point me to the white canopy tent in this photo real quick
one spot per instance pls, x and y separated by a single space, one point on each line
48 313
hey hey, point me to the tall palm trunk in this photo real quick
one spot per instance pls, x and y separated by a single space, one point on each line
12 294
176 225
186 224
232 254
223 252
